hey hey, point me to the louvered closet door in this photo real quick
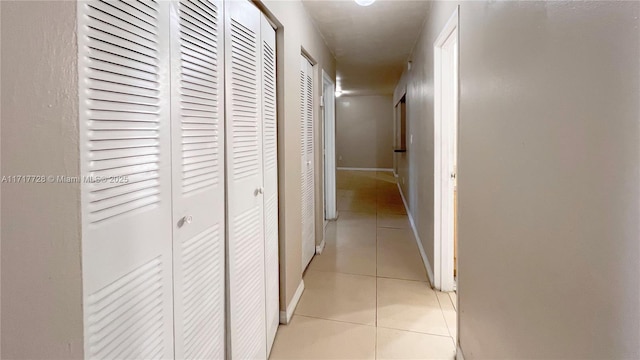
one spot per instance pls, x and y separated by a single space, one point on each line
270 156
306 133
125 131
198 178
246 251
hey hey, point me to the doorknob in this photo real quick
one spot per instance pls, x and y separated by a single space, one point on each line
185 220
453 175
259 191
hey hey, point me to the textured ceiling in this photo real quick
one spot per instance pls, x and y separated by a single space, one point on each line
372 43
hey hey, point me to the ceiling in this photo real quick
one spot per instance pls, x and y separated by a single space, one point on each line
371 44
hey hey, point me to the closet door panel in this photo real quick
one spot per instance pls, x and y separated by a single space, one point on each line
270 156
306 134
246 251
198 178
125 158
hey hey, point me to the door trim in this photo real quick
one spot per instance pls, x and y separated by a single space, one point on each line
443 212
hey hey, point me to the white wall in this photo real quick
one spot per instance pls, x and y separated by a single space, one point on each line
364 131
41 282
295 33
549 167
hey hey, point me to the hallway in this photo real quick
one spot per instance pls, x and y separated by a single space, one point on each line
367 295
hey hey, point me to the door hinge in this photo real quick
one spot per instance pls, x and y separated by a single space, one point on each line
321 100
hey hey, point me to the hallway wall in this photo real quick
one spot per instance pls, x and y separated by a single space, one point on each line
549 167
41 253
364 131
296 32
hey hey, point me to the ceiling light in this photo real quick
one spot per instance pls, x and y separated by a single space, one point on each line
365 2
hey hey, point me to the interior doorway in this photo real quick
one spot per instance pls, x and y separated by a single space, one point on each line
400 132
445 154
307 121
329 146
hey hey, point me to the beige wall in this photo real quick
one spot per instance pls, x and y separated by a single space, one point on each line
364 131
549 167
41 282
295 32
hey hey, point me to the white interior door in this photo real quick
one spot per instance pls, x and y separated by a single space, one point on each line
198 178
445 145
245 202
329 106
124 105
306 132
450 130
270 156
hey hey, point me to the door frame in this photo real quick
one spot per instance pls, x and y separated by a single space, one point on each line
443 190
329 146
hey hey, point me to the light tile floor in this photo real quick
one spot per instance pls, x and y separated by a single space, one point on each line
367 295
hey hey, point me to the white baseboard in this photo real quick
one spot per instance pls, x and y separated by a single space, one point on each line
459 354
364 169
320 247
285 316
423 254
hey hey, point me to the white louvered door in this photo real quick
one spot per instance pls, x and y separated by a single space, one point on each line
126 222
307 170
246 250
270 156
198 178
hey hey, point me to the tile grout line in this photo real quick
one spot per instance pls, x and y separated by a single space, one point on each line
334 320
414 332
444 318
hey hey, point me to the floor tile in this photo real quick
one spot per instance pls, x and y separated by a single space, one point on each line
310 338
368 290
445 300
399 256
449 312
397 221
410 305
355 234
342 297
366 205
391 208
386 199
347 259
347 219
454 299
397 344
